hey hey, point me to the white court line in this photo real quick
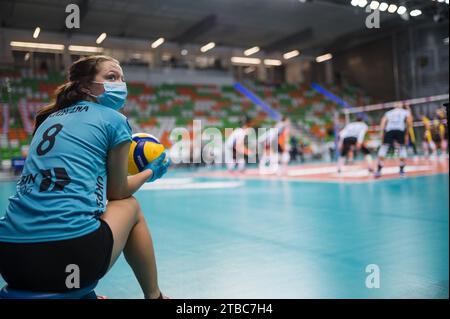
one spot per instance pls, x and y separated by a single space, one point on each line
354 171
385 171
190 185
313 171
173 181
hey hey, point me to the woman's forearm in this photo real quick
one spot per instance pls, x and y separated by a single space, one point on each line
136 181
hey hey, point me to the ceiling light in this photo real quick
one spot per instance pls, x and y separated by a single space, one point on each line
82 48
374 5
272 62
207 47
32 45
100 38
242 60
36 32
415 13
324 58
401 10
251 51
157 43
383 6
291 54
362 3
392 8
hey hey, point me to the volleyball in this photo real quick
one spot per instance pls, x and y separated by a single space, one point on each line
144 149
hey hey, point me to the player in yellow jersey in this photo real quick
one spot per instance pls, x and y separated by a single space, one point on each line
440 132
436 134
411 135
428 144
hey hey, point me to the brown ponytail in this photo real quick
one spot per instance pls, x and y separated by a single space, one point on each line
81 73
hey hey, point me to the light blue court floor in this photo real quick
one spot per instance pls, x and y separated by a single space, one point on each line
231 238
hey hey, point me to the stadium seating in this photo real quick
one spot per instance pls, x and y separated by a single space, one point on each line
159 109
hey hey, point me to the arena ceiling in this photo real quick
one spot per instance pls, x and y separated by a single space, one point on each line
270 24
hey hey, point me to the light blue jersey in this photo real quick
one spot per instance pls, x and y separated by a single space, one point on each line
62 189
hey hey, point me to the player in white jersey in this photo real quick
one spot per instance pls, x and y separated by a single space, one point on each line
351 137
284 147
235 149
276 148
394 126
268 142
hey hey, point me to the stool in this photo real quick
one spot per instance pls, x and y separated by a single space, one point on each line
81 293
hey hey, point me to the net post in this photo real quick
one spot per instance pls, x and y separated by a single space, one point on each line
336 134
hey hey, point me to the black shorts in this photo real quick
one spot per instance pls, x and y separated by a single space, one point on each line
436 139
235 155
347 144
394 136
42 266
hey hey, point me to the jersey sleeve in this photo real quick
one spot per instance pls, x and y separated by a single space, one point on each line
362 133
119 130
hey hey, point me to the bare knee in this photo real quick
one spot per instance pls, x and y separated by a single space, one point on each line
132 206
132 201
138 215
136 207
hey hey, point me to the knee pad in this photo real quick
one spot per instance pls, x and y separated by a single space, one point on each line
383 150
402 152
285 157
433 146
229 156
240 160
